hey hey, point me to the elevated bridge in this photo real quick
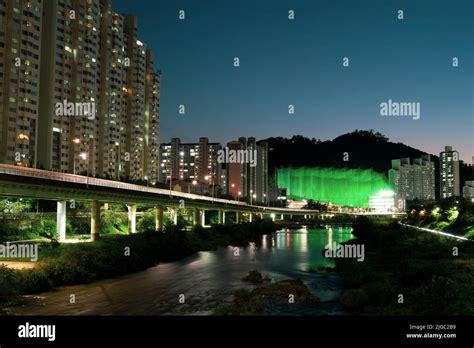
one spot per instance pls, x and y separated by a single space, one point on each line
33 183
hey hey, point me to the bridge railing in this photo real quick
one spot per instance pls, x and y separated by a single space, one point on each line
91 181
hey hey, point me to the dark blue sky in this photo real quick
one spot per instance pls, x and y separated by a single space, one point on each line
300 62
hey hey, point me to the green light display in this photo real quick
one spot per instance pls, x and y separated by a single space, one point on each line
338 186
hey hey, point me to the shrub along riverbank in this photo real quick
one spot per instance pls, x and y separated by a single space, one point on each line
453 215
408 272
114 255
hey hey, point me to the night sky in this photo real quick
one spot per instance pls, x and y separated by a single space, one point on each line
299 62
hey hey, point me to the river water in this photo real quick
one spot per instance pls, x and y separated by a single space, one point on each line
207 280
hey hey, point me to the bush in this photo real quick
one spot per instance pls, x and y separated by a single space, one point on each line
354 299
9 286
362 227
33 281
147 222
354 273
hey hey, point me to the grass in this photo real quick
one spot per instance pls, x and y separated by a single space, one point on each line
419 266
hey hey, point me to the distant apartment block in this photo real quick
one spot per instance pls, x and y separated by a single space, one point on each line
249 180
468 190
190 162
449 173
413 180
83 55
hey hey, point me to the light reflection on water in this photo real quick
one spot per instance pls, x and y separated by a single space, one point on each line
208 278
301 248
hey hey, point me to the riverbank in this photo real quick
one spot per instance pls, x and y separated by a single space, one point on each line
449 215
408 272
114 255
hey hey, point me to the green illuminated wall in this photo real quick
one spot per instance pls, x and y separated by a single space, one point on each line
338 186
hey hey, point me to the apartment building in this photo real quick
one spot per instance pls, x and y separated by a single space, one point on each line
413 180
88 98
450 185
190 162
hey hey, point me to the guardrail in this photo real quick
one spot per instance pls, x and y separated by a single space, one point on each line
13 170
91 181
446 234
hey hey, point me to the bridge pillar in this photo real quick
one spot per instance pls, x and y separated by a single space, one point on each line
220 216
196 216
203 218
174 216
132 218
237 217
250 217
159 218
95 221
61 221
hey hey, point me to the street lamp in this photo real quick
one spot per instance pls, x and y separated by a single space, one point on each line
119 159
189 185
251 196
238 197
171 178
25 138
83 156
207 178
76 141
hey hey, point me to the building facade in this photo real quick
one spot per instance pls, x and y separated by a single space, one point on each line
468 190
20 58
190 162
413 180
236 185
449 173
248 178
87 99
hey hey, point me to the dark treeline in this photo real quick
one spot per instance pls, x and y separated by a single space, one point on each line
366 149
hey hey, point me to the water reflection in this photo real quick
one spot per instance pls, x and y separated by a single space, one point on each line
207 278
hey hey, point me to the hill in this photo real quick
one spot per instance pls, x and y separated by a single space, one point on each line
365 149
